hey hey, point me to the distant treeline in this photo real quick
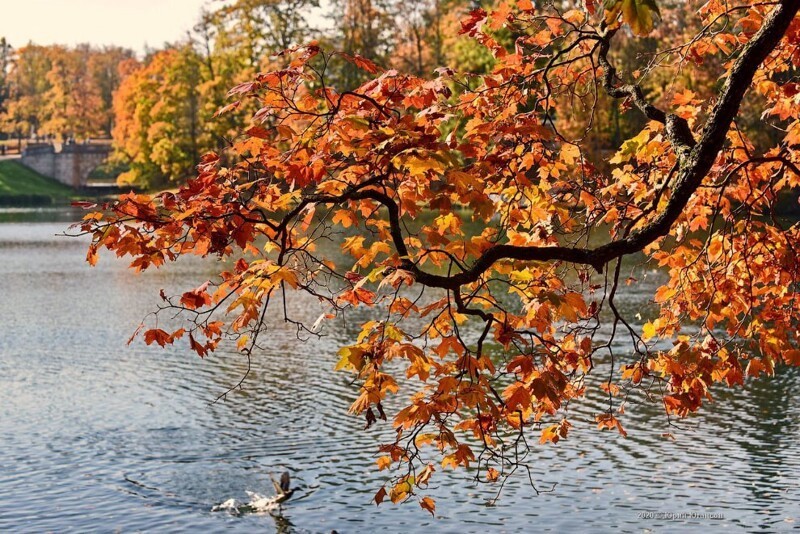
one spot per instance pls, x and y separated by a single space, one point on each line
57 91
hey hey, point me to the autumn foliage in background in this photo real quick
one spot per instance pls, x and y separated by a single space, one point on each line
160 108
487 219
59 91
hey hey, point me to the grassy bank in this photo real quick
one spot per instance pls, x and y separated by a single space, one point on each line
20 186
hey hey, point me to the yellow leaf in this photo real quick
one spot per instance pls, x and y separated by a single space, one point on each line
285 275
639 14
570 154
344 217
648 331
450 460
549 434
425 475
400 490
384 462
418 163
714 249
665 293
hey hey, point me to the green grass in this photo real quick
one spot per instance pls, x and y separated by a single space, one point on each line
20 185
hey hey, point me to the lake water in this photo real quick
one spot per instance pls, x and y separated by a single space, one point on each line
98 435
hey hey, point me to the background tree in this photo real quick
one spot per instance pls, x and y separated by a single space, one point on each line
260 28
165 111
365 28
5 64
493 244
105 66
28 84
73 102
419 47
157 108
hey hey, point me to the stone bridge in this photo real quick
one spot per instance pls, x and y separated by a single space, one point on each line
70 164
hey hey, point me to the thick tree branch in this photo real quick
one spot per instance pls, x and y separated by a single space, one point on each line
677 129
704 153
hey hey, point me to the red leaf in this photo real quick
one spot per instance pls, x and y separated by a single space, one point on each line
84 204
352 276
197 298
201 350
362 63
470 25
226 109
159 336
243 88
258 131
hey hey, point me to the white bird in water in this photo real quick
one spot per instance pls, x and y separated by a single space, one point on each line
259 503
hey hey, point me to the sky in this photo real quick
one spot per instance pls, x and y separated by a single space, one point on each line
129 23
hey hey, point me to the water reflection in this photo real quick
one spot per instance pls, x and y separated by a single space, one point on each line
97 434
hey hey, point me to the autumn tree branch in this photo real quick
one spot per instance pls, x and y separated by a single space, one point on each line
694 167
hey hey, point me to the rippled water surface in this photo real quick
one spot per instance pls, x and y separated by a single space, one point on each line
95 434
